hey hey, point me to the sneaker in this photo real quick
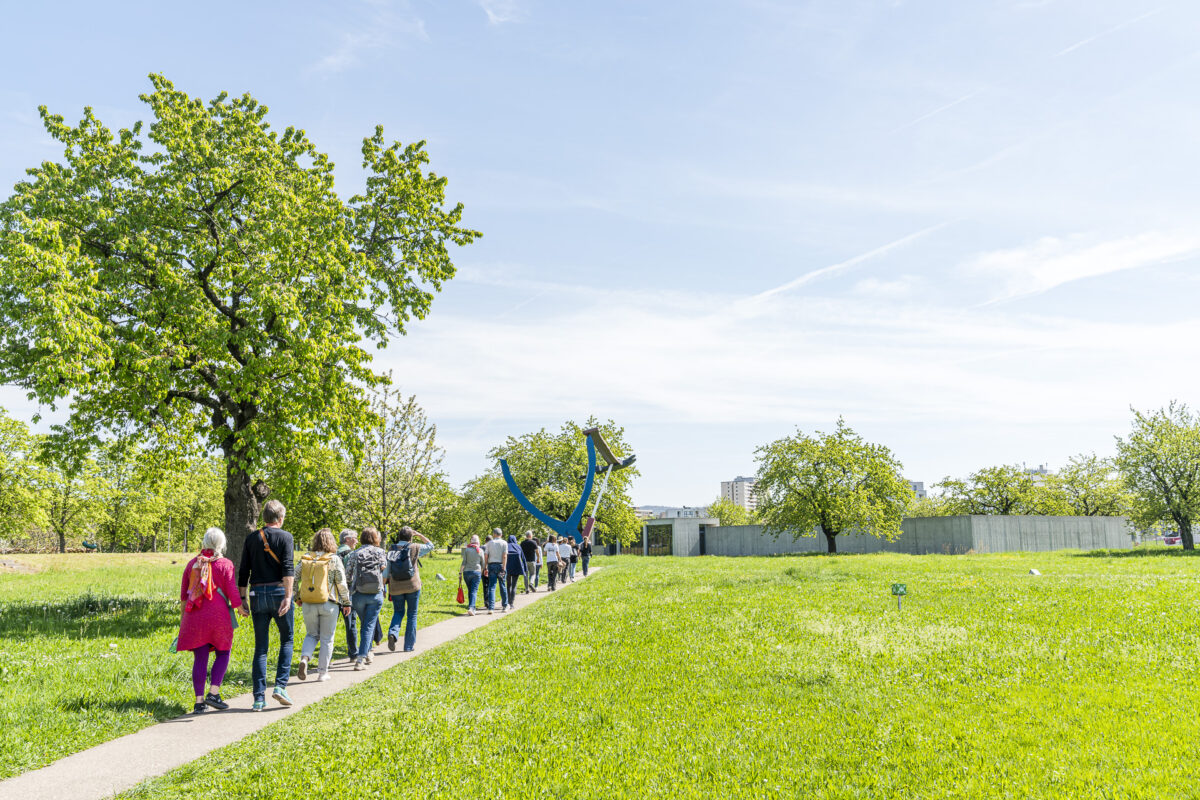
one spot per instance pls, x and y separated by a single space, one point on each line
259 705
408 649
504 610
490 611
358 665
392 642
302 670
323 676
281 696
214 701
370 657
470 612
199 708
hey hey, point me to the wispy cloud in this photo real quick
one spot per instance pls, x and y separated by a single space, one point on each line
501 11
936 111
380 28
1051 262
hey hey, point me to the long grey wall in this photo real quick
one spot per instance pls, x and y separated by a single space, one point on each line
922 536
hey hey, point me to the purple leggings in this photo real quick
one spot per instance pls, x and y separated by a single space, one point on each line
200 667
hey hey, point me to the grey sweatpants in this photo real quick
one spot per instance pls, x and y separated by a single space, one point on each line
320 623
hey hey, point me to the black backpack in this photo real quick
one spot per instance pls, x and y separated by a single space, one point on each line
370 568
400 566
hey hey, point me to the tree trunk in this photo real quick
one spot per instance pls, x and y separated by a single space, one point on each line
243 506
62 541
831 540
1185 534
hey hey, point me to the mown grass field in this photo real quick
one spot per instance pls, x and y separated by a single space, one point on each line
776 677
84 649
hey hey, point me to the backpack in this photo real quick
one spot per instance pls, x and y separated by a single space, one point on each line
314 578
371 563
400 566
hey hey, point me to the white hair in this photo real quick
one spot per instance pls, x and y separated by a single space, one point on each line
474 539
214 539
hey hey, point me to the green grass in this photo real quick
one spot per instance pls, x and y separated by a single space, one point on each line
84 652
776 677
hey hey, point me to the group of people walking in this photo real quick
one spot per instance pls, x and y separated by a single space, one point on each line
351 581
517 564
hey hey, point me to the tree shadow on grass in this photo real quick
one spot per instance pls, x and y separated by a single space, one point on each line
88 616
1140 552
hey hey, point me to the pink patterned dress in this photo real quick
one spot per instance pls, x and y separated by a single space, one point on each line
210 623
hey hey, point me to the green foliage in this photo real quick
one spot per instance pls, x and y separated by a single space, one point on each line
112 618
729 512
835 481
550 469
1091 486
200 279
21 501
772 678
1003 490
929 506
1160 463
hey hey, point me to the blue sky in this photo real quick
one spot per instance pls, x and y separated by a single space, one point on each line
969 228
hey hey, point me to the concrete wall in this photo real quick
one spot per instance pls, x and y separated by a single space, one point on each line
923 536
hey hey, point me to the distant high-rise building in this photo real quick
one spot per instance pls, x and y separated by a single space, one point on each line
918 488
740 492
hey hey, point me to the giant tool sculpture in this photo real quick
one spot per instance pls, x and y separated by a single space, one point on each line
570 525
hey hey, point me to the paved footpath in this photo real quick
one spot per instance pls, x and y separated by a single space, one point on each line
121 764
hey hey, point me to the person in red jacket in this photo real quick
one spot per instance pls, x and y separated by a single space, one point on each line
209 595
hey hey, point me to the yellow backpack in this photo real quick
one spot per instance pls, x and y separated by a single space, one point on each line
314 577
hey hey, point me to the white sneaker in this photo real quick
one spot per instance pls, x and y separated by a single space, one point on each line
470 612
358 665
504 610
370 657
323 676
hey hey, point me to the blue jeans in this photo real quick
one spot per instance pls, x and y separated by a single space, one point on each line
493 577
351 624
472 578
585 560
535 572
404 607
264 607
366 606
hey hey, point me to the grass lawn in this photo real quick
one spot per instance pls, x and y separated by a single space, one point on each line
84 649
774 677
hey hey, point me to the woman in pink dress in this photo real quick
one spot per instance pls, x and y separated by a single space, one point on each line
209 594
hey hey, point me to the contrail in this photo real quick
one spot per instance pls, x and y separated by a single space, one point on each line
936 111
809 277
1108 32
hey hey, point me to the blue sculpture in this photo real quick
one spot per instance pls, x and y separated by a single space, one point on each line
570 525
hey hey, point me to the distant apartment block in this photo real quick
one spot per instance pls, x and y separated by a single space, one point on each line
918 488
740 492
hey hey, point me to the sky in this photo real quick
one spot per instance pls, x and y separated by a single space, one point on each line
967 228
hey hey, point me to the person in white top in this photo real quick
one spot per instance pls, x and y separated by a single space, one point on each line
564 558
551 550
496 553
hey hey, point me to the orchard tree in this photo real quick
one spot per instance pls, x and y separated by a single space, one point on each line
1091 487
21 500
1160 464
550 469
1003 490
200 279
836 482
70 479
729 512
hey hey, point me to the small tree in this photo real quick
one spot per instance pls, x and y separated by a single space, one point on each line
1160 464
203 280
398 480
1091 487
836 482
729 512
70 479
1003 490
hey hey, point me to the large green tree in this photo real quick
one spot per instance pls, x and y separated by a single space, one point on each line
836 482
1160 463
21 499
199 278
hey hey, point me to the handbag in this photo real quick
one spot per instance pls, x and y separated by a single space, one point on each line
461 598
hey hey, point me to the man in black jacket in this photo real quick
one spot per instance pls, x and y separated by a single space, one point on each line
529 548
265 579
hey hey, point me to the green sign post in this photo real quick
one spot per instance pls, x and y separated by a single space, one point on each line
899 589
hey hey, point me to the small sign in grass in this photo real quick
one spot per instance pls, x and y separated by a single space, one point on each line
899 589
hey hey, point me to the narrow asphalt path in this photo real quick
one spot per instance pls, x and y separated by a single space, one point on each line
121 764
